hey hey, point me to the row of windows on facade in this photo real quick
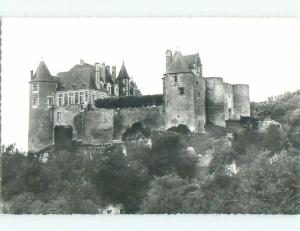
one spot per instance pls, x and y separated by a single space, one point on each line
71 98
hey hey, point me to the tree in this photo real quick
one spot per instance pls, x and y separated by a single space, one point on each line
294 130
181 129
167 155
166 195
273 140
270 185
120 180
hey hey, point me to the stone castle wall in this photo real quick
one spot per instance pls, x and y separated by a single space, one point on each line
96 126
241 101
215 102
179 108
151 117
228 107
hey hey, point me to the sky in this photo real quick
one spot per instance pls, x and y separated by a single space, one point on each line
261 52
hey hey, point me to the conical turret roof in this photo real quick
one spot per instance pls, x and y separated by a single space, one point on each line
178 65
123 73
42 73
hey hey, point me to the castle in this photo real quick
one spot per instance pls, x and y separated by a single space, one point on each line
64 105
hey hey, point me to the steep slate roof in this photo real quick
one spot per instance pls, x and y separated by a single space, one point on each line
190 60
81 76
178 65
123 73
108 77
42 74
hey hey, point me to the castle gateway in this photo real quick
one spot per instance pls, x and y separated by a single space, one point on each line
68 100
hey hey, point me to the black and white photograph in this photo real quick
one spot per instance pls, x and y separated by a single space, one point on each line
116 116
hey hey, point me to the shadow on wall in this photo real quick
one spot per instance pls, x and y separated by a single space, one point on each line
63 136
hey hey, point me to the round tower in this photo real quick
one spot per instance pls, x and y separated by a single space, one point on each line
200 105
215 101
241 101
178 83
42 89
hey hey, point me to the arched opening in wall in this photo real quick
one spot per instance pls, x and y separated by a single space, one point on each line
63 136
137 131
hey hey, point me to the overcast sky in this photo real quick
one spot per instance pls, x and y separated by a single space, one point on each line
264 53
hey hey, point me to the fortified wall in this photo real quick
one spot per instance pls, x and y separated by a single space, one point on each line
100 126
72 101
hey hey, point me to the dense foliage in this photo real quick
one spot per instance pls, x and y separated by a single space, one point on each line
130 101
181 128
253 171
277 107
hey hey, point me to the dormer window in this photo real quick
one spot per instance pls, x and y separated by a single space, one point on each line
175 78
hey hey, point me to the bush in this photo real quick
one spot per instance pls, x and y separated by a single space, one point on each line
181 129
130 101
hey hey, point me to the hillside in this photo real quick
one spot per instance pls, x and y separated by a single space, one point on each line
277 107
250 171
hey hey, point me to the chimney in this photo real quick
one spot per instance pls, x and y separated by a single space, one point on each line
113 73
168 57
103 72
108 68
31 74
81 62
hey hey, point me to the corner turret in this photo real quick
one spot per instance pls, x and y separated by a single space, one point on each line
123 81
42 87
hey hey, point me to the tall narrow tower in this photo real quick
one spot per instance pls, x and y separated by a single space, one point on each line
42 87
179 98
123 81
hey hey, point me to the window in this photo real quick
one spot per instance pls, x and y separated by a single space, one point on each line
181 90
60 99
86 96
35 87
198 94
71 98
58 116
116 90
50 101
35 100
81 97
175 78
197 82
